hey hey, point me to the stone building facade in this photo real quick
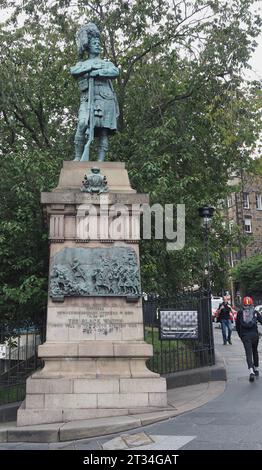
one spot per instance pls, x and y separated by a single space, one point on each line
244 208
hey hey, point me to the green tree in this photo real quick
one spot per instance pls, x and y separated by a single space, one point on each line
23 237
187 120
257 166
249 274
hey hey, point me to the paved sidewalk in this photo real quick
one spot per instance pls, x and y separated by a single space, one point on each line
80 434
231 421
180 400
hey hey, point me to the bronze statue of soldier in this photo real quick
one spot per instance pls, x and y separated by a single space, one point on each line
98 110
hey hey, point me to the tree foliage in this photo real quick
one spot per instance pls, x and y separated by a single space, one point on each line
249 274
187 120
257 166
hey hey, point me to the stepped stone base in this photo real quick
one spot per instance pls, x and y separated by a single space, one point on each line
72 175
60 399
79 387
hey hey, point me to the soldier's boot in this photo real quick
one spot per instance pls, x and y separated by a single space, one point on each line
79 148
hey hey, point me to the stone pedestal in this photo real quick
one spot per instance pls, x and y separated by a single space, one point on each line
94 351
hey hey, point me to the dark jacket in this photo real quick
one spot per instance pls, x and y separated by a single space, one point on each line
224 311
242 331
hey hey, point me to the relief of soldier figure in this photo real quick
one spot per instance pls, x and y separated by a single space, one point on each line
112 276
98 109
65 280
118 278
59 280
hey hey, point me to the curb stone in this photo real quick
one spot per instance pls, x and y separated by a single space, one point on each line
77 430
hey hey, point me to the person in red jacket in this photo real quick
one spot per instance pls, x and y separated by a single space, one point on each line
246 326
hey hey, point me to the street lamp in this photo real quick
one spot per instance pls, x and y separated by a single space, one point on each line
206 213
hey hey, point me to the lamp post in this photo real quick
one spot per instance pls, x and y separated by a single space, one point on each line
206 213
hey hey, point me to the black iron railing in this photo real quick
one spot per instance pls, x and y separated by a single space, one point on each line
18 359
173 355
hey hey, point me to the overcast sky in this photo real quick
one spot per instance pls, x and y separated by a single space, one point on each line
255 61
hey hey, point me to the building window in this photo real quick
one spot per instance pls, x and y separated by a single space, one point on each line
245 200
231 225
258 201
248 227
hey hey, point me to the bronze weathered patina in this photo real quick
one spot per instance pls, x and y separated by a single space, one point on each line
94 182
98 110
95 272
